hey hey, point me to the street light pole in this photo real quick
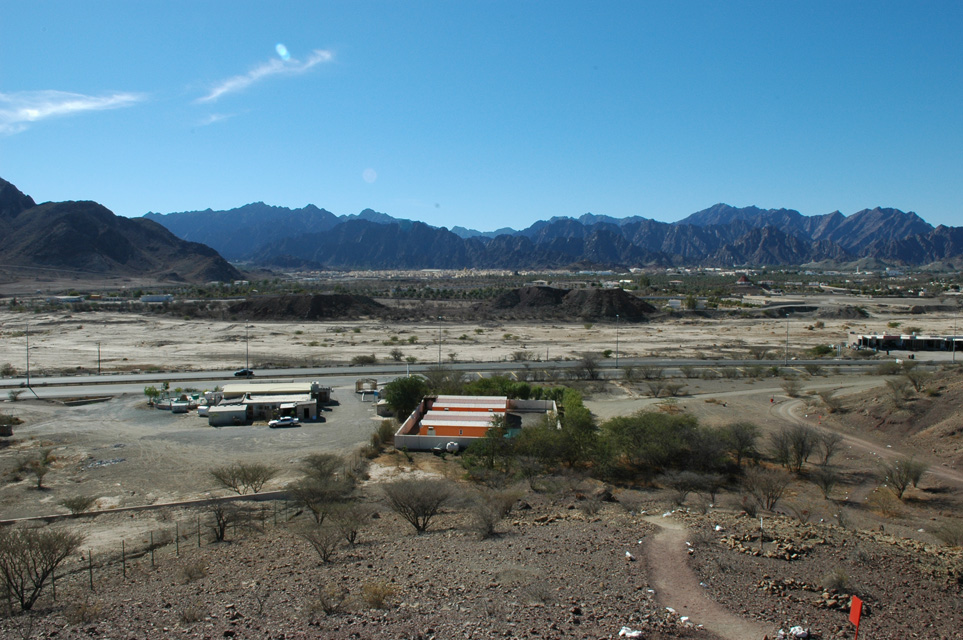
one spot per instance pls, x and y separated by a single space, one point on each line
27 334
247 349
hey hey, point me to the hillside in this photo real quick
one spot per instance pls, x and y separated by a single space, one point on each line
87 240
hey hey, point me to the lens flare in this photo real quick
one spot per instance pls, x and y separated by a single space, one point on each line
282 51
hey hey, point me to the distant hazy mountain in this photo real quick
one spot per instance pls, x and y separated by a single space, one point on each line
87 238
721 235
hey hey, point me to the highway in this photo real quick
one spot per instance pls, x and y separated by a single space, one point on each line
112 384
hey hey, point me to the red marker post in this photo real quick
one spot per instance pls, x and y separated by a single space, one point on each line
855 611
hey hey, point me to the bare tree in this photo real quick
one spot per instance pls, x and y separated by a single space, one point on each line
418 501
899 474
29 557
488 508
898 390
39 466
652 372
323 539
766 486
824 477
829 442
225 514
793 445
791 386
349 518
240 477
917 378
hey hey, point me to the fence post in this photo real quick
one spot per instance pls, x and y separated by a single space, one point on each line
152 550
123 558
198 531
275 503
177 539
90 569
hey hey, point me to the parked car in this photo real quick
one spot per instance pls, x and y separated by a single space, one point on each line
243 373
284 421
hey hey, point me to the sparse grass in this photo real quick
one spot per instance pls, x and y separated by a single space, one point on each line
192 611
950 533
377 595
193 571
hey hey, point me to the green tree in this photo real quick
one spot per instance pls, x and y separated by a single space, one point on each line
404 394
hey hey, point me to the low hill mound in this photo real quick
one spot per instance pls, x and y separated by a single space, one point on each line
307 307
588 304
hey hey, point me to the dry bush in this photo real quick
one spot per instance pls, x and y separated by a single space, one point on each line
488 508
331 600
766 486
791 386
418 501
83 610
630 500
193 571
28 559
590 506
323 539
192 611
824 477
836 579
897 475
241 477
885 503
377 595
349 518
78 504
830 401
829 442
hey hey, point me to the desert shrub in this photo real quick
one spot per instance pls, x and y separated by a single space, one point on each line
759 353
377 595
683 483
688 371
820 351
418 501
813 369
349 518
824 477
917 378
793 445
364 359
243 477
730 373
830 401
192 571
897 475
7 370
78 504
674 389
324 539
83 610
836 579
829 443
384 434
330 600
888 368
791 386
885 503
630 500
223 515
29 557
488 508
765 486
192 611
14 394
651 372
898 390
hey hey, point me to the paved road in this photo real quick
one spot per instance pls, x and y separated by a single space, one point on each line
85 385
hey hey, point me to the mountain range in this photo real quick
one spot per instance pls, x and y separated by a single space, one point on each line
85 239
721 235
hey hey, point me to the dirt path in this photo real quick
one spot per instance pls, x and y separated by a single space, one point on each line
677 586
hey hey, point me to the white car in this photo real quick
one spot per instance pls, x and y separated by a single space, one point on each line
285 421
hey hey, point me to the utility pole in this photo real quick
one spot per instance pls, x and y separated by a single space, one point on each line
439 341
247 349
98 358
954 336
616 341
27 333
787 338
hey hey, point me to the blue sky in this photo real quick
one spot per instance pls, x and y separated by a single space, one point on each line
486 114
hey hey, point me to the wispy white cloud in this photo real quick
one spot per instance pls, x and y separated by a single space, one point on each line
18 110
215 117
274 67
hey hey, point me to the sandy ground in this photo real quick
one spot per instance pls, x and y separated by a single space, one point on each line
63 342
